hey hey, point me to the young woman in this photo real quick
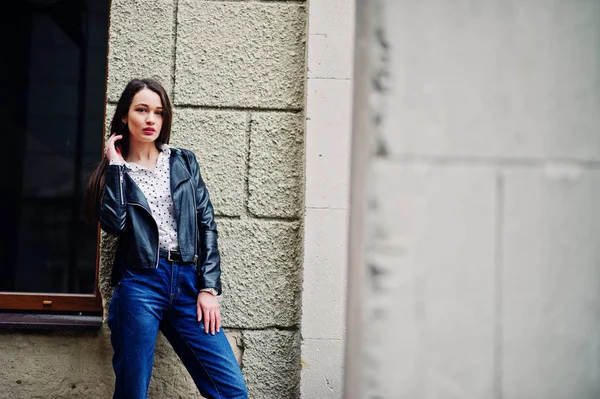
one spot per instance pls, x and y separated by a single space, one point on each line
166 270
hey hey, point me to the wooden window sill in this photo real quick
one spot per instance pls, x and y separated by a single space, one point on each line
49 322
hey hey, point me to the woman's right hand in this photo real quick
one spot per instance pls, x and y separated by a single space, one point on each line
112 152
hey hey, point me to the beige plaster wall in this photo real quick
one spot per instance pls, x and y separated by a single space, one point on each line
235 73
474 218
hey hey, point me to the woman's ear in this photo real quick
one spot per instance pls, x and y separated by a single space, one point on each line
124 121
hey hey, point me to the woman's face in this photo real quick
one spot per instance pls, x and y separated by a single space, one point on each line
145 116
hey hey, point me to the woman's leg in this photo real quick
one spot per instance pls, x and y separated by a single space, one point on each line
208 358
134 317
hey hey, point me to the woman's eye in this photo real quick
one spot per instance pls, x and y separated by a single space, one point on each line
141 110
159 113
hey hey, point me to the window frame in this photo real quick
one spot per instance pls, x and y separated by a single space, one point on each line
60 310
11 301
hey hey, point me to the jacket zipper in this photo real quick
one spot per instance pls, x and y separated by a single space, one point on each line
121 185
157 239
195 231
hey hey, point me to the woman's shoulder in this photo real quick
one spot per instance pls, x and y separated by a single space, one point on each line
183 151
187 156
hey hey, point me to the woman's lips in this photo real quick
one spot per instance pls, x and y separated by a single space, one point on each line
149 131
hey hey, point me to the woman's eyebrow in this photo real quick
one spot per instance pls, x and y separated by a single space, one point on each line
146 105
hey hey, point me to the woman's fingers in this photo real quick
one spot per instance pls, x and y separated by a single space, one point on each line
213 321
206 320
209 312
113 138
111 150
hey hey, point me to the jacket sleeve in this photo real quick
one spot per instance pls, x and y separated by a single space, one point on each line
209 264
113 208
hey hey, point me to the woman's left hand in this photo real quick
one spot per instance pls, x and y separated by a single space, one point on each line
207 307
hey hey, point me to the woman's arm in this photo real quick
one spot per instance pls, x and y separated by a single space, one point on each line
113 208
209 264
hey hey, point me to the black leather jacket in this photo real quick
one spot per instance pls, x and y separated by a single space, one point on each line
124 211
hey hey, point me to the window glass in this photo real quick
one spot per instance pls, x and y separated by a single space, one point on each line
53 73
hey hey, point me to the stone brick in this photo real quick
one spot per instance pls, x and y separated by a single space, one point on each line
516 80
332 18
108 246
271 364
324 277
219 140
276 164
331 39
322 368
240 54
330 57
110 112
551 280
237 343
53 365
141 43
431 265
261 273
328 137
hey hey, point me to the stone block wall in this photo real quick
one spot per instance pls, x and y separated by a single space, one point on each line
235 72
474 216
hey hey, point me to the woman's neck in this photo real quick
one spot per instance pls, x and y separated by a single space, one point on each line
142 152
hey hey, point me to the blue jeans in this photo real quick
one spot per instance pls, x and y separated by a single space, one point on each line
148 300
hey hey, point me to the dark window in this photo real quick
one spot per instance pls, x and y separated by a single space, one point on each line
53 80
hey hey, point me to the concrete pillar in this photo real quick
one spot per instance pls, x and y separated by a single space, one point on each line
474 261
328 129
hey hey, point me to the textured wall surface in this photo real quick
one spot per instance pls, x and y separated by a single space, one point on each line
474 218
142 39
328 131
238 54
235 72
55 365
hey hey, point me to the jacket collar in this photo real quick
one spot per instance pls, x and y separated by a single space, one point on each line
179 173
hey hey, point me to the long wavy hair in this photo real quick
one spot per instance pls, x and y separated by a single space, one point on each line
95 187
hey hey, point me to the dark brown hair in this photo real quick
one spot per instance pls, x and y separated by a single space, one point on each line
95 188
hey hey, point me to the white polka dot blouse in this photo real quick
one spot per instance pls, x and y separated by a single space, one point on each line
156 187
